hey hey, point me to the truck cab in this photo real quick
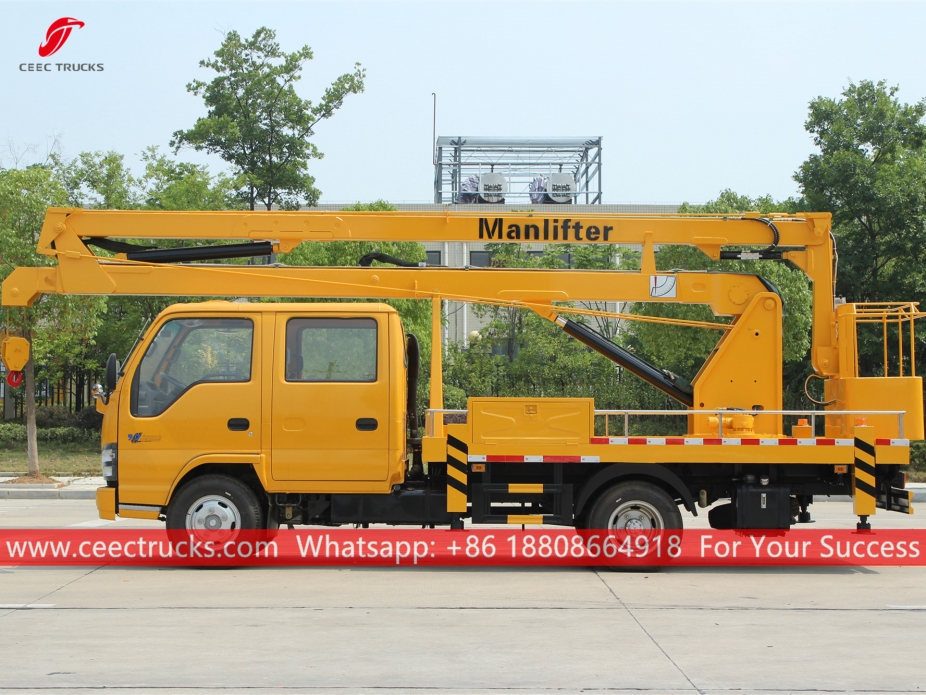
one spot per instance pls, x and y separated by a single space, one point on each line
291 399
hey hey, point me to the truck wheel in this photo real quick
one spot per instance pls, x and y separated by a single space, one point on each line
214 503
636 507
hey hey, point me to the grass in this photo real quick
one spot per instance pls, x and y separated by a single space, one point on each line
75 459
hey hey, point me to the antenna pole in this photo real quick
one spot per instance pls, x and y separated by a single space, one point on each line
434 133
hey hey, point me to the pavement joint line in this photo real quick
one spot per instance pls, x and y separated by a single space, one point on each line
771 609
647 633
441 689
423 689
85 574
57 607
435 689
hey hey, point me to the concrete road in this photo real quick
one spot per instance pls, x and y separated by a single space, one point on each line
456 630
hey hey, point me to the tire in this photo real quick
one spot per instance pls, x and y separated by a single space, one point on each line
217 503
634 506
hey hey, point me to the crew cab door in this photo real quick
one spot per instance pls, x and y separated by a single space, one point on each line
330 417
195 392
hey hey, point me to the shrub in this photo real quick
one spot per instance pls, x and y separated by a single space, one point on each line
66 435
917 469
53 416
88 419
12 433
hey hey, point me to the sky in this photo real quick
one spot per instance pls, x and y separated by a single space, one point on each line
690 98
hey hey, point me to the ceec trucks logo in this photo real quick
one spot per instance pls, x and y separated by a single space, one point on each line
57 35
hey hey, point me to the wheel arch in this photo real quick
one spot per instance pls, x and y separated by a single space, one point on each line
645 472
243 470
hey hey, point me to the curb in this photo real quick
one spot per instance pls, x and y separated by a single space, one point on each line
59 494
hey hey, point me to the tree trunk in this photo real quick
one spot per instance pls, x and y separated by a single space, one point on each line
79 390
32 451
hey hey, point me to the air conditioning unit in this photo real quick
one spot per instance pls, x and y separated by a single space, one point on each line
492 188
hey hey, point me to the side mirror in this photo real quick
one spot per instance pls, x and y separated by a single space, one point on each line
112 372
98 393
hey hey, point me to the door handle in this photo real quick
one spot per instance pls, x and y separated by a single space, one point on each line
238 424
367 424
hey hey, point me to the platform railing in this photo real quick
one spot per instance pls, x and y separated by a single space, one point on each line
811 415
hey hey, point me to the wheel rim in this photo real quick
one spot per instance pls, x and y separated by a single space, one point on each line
636 515
213 513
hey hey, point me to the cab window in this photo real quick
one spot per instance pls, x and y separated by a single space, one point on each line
187 352
331 350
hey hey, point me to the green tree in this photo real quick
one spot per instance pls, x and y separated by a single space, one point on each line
61 328
97 180
168 184
258 123
870 172
101 180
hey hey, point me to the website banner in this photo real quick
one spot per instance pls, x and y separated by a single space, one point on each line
484 547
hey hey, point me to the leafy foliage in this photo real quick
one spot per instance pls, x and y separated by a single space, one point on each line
13 433
54 416
521 354
89 419
171 185
870 172
258 123
62 328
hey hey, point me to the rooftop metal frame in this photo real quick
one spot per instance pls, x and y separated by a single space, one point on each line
520 160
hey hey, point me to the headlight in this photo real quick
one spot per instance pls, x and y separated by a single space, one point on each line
110 464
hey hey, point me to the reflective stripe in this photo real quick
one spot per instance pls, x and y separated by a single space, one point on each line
483 458
737 441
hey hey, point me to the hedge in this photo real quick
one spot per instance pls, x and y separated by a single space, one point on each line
12 433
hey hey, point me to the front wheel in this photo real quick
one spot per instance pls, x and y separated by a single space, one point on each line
214 503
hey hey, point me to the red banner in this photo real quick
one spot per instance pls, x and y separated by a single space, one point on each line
396 547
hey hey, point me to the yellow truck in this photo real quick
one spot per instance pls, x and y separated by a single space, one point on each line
256 414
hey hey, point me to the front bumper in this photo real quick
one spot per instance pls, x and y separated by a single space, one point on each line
106 502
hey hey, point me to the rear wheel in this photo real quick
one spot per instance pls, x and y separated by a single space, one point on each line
214 503
634 508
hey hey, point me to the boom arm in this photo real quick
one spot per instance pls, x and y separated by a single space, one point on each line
804 239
